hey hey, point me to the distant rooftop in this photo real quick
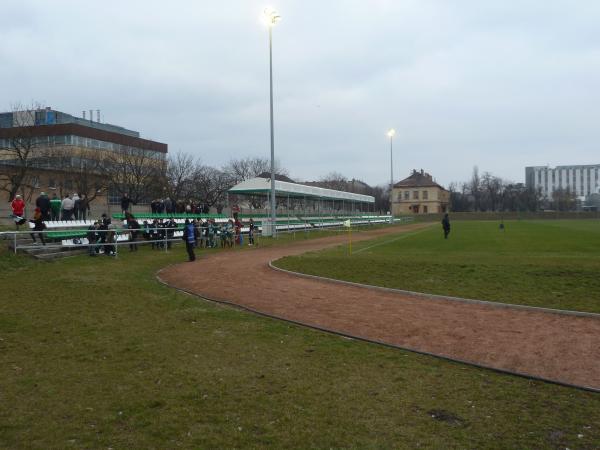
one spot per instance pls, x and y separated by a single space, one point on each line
49 116
418 179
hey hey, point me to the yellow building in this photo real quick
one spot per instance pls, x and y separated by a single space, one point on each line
419 194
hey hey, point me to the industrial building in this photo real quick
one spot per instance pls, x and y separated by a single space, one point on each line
583 180
44 150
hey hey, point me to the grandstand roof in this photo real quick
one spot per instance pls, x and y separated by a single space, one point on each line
263 185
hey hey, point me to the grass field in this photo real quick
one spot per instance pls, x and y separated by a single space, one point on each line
554 264
95 353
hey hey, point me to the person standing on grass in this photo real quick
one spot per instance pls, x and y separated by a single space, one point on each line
190 234
446 225
76 205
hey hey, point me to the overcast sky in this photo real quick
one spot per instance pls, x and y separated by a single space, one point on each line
500 84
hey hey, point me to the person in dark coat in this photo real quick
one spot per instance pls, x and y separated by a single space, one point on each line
125 202
446 225
38 225
43 202
190 235
134 228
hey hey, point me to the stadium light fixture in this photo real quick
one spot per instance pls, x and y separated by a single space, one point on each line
271 18
391 134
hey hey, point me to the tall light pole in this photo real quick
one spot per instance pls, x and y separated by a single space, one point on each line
391 134
271 18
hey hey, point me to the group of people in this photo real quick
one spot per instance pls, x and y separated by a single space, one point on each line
208 234
197 233
168 206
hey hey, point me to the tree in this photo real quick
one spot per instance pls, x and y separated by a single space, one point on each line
475 188
211 185
18 157
180 170
334 180
245 168
135 172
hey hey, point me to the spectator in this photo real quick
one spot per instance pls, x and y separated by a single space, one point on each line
43 202
102 231
125 203
190 234
111 239
160 206
238 231
84 207
67 206
76 205
134 227
93 236
18 211
168 206
55 205
229 233
251 227
38 225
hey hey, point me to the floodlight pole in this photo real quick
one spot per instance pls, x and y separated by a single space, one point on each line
273 202
391 135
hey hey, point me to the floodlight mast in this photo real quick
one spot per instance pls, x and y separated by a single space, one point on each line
391 134
271 18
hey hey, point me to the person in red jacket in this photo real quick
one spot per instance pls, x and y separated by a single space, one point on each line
18 210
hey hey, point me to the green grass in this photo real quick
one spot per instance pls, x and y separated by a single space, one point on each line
95 353
553 264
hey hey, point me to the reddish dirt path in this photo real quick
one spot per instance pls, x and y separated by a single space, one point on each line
553 346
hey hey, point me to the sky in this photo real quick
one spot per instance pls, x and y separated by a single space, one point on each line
498 84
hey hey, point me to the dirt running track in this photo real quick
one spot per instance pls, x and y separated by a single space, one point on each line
557 347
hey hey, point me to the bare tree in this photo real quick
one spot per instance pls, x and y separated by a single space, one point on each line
17 158
334 180
245 168
211 185
475 188
180 170
136 172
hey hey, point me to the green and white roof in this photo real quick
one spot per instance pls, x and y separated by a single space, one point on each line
283 188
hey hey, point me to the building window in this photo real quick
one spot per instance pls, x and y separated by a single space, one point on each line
51 183
425 209
425 195
415 195
35 182
406 195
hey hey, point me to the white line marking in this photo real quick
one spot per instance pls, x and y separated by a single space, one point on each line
392 240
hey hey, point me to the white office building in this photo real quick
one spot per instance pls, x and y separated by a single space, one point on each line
583 180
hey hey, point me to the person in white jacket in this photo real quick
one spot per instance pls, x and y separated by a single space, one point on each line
67 208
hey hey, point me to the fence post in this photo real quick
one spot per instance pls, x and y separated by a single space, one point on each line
166 238
15 243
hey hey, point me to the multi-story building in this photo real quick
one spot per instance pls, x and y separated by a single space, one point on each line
419 194
50 151
581 180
